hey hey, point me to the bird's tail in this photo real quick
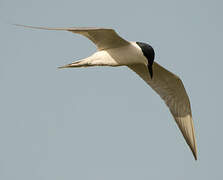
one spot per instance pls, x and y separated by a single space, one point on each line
75 64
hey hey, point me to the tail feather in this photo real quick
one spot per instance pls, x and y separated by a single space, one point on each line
80 63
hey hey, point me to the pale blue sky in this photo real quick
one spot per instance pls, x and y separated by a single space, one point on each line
106 123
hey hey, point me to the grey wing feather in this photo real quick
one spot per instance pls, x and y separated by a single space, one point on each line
172 91
103 38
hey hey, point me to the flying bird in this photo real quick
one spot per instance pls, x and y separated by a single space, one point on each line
113 50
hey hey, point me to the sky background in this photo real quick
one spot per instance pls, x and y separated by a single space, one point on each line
105 123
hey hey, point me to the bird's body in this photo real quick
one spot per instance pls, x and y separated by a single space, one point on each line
115 51
122 56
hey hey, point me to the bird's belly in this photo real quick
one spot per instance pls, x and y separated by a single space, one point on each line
125 55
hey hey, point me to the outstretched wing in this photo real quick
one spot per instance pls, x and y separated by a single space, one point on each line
172 91
103 38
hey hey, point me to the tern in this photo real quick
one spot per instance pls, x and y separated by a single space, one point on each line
113 50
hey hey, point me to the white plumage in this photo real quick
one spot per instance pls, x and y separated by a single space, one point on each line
115 51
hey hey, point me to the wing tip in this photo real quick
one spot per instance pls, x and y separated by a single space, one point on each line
14 24
194 151
37 27
195 156
186 127
27 26
194 148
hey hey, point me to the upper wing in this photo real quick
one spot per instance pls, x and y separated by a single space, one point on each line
103 38
172 91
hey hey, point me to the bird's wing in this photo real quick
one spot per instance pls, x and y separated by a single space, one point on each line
172 91
103 38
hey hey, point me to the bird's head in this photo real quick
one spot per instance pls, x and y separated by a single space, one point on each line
149 53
